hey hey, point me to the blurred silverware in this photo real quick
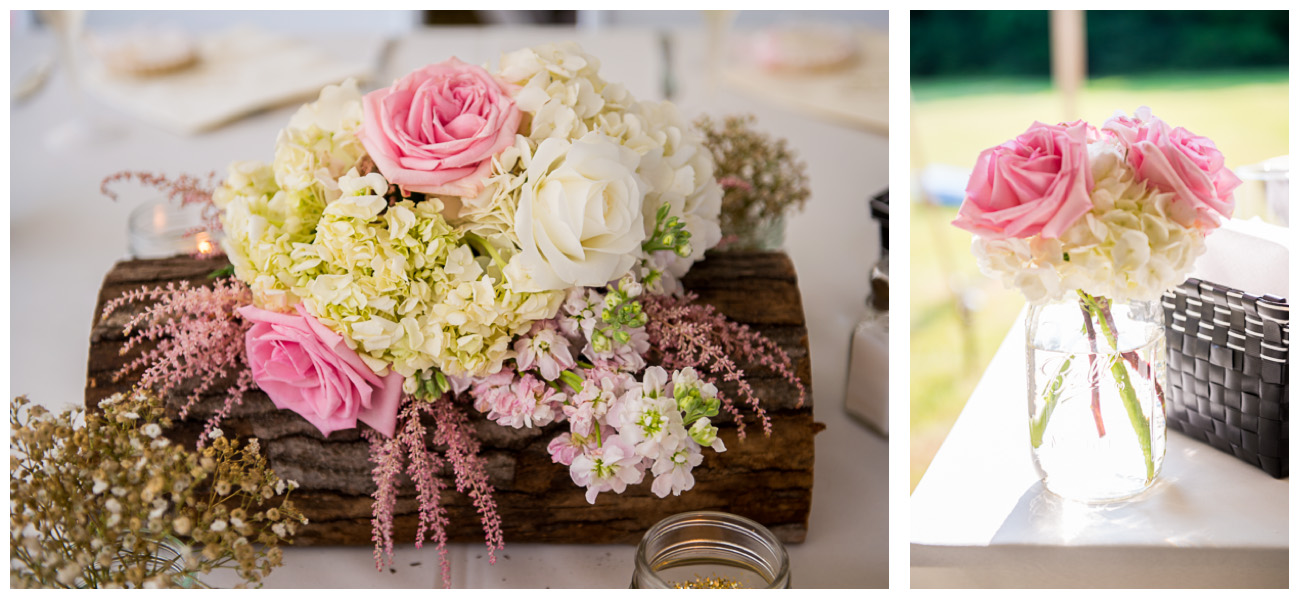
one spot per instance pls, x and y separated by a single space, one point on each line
33 81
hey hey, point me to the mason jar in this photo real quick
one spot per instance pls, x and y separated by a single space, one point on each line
1096 382
710 550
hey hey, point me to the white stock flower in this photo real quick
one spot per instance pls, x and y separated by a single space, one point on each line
579 219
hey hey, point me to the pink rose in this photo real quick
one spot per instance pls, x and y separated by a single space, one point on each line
306 368
1181 162
436 130
1036 184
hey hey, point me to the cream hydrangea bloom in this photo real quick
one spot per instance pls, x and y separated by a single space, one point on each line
262 223
320 144
405 289
268 209
1126 248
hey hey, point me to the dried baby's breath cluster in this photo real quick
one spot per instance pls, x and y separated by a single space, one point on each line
761 177
102 499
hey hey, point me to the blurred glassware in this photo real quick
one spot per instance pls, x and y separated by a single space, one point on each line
866 395
767 235
161 229
705 549
718 23
82 129
1274 173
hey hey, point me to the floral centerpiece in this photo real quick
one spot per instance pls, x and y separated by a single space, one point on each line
1092 226
505 241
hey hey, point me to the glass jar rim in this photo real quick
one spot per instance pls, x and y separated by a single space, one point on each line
645 572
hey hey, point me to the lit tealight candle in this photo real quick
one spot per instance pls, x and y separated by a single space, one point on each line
161 229
204 243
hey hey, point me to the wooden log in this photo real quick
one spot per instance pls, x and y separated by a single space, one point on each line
768 479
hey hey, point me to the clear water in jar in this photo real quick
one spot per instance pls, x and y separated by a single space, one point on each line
1073 457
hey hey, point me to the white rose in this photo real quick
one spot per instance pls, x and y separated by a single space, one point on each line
579 219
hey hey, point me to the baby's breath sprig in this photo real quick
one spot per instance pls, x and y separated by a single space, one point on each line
761 177
102 499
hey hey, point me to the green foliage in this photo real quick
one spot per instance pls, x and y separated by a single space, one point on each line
1017 44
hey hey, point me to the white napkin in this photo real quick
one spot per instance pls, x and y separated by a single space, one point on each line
1248 255
240 71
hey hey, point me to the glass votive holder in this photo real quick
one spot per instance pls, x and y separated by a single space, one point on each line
704 549
162 229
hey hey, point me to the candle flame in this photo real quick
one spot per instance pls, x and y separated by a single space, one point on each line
205 245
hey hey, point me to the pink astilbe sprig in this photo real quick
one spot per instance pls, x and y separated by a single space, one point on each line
386 455
424 467
185 189
455 432
690 334
408 452
199 341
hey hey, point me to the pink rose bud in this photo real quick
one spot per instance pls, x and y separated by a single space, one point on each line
1036 184
436 130
306 368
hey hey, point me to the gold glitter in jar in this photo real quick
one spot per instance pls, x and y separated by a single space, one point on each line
709 583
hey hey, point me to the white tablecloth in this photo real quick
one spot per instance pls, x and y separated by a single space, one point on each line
980 517
65 237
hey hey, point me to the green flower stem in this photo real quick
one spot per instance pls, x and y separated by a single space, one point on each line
478 243
1127 392
572 379
1039 425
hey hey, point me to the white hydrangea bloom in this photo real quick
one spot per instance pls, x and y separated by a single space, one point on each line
678 171
561 89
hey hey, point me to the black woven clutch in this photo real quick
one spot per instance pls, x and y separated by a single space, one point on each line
1228 371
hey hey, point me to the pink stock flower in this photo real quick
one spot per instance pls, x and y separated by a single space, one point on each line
601 390
672 470
306 368
546 349
436 130
1181 162
1036 184
566 447
516 400
611 467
